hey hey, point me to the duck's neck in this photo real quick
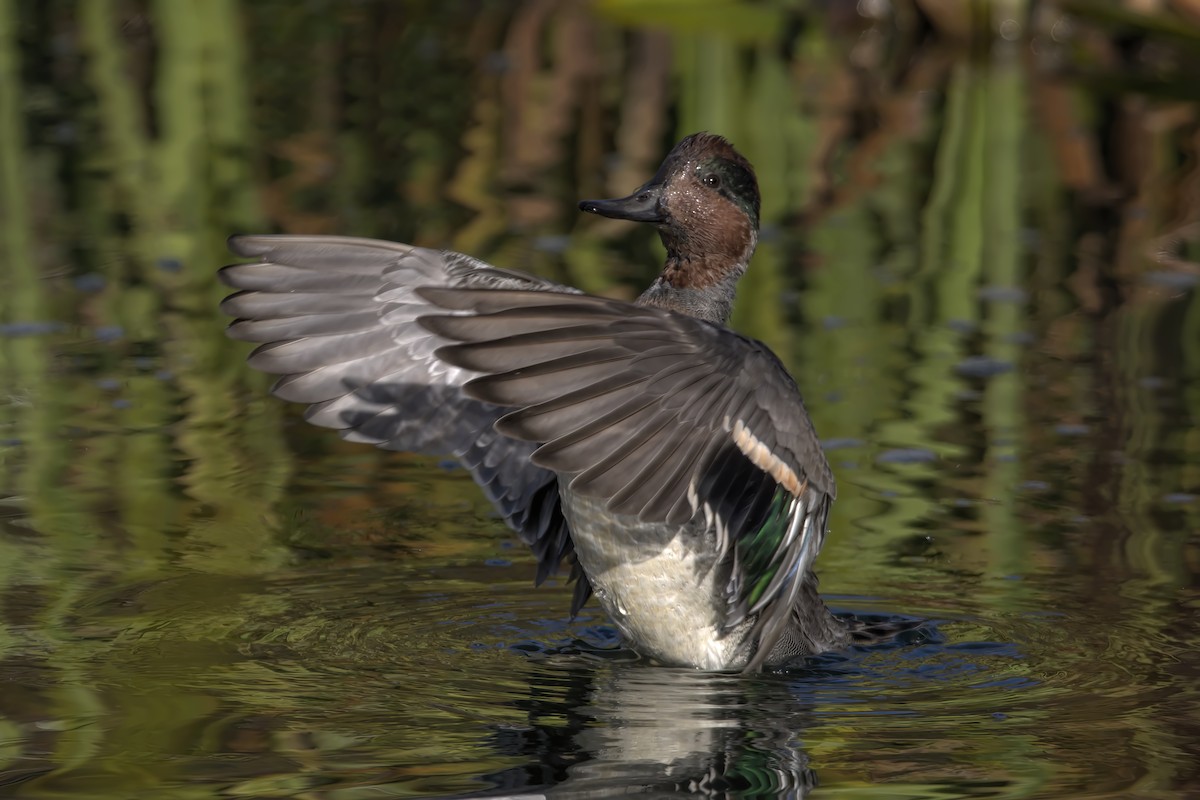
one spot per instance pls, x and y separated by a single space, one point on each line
700 285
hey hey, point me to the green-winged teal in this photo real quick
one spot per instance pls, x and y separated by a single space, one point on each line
669 459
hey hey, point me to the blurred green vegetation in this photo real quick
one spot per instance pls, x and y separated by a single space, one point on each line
979 257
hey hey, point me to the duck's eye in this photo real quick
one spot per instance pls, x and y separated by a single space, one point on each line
712 180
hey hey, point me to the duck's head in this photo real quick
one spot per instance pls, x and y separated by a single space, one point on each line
703 200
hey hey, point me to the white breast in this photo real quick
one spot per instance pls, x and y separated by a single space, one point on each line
659 588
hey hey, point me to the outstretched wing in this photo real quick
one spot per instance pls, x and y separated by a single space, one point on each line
336 317
662 416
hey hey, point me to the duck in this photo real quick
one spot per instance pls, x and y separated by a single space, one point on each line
668 460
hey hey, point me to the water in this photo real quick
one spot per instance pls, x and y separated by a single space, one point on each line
981 269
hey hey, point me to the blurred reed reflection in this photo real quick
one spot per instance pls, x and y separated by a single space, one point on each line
980 259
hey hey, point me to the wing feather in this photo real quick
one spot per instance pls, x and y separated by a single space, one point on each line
662 416
336 317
